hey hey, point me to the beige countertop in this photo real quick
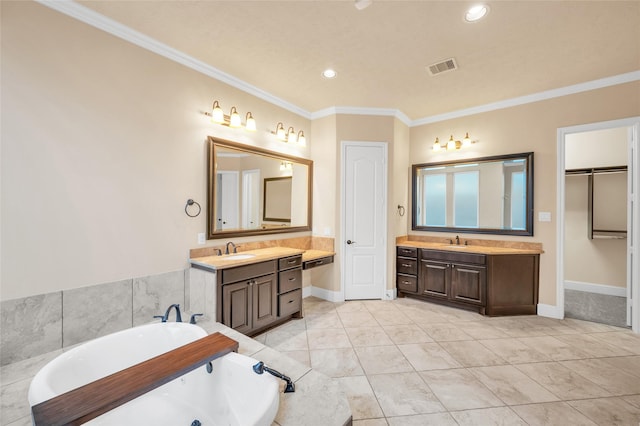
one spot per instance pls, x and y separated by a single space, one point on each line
468 248
258 255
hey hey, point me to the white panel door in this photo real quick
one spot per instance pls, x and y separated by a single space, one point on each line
364 222
250 199
228 200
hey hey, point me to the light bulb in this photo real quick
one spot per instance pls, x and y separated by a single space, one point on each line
280 132
291 135
466 141
451 144
301 139
436 145
234 119
251 123
217 116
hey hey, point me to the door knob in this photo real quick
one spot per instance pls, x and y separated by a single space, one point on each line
350 242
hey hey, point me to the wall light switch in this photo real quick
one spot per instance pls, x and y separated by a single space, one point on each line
544 216
201 238
327 231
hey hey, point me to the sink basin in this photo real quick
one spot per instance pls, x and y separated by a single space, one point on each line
239 256
455 247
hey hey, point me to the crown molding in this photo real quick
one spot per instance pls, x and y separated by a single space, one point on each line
535 97
387 112
97 20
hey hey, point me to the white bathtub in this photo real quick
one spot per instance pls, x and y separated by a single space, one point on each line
232 394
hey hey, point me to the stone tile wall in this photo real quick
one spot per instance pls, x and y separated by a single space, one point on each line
35 325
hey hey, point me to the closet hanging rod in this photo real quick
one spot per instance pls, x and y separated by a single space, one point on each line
596 170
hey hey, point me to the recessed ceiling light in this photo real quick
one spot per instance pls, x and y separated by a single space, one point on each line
362 4
329 73
476 13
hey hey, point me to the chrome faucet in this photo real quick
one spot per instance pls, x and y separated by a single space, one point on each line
165 317
457 240
235 249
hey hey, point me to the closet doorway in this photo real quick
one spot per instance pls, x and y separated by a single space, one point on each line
596 267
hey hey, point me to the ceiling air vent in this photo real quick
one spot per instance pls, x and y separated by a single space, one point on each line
444 66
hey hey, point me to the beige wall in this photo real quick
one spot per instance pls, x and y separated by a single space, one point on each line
531 127
102 144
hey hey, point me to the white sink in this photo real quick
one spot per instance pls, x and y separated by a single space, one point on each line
240 256
451 246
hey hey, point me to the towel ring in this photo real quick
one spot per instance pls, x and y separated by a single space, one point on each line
400 210
190 202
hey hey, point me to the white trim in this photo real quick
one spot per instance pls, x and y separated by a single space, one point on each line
388 112
331 296
97 20
307 291
550 311
609 290
535 97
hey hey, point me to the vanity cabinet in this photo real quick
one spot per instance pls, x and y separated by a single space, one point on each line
500 284
259 295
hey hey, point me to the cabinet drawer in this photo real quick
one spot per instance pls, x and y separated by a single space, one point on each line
407 283
407 252
290 262
241 273
290 303
289 280
406 266
450 256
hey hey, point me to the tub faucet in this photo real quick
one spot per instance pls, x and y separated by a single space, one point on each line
165 317
235 249
457 240
260 368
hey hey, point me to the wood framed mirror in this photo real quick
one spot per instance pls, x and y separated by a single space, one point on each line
489 195
253 191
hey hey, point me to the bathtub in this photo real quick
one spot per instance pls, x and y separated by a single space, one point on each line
231 394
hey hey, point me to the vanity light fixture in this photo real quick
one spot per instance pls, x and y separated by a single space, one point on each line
231 120
290 135
453 144
285 165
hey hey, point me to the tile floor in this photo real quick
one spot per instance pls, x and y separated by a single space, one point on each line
408 362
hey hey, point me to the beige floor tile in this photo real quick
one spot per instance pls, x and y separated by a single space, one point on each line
633 400
608 411
428 356
472 354
561 381
511 385
380 305
622 339
391 317
362 400
323 320
318 307
402 334
287 340
382 359
592 346
368 336
552 413
605 375
482 330
301 356
404 394
370 422
555 349
445 332
458 389
630 364
589 327
351 306
499 416
513 351
336 362
435 419
424 317
328 338
357 319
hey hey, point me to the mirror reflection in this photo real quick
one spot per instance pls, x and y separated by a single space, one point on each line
254 191
483 195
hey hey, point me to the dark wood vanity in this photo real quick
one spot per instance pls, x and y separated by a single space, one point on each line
253 297
490 281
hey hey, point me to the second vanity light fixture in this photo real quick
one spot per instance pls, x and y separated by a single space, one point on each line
453 144
290 135
231 120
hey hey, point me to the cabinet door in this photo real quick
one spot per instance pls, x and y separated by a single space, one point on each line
237 306
265 300
468 284
433 279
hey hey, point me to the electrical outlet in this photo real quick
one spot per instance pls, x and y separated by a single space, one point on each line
544 216
201 238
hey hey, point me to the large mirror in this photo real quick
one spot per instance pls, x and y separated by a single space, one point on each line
255 191
490 195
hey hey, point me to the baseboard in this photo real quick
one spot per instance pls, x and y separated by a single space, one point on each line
550 311
608 290
321 293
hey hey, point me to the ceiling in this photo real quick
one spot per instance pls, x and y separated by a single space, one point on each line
381 53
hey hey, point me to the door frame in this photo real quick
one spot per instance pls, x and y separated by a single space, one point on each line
385 195
633 238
